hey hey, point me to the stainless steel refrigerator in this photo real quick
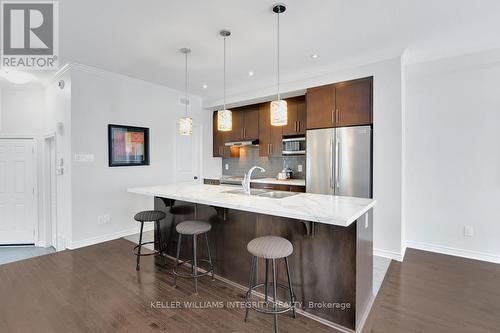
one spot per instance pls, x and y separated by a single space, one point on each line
339 161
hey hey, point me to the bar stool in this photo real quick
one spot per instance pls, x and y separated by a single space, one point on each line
193 228
149 216
270 248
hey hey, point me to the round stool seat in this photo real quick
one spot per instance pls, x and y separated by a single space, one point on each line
193 227
270 247
149 216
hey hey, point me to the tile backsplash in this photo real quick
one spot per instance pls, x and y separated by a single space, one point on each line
249 156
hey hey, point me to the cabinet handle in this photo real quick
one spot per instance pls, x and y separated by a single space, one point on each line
298 126
244 132
338 115
333 116
296 130
270 149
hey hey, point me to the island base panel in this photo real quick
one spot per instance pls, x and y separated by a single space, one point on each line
323 267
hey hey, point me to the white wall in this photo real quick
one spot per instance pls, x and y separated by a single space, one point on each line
453 155
21 110
100 98
387 150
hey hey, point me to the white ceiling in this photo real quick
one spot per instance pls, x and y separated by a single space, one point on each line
141 38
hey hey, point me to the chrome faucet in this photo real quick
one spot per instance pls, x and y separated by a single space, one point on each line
248 177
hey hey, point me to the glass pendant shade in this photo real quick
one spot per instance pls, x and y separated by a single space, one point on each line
224 120
185 126
279 113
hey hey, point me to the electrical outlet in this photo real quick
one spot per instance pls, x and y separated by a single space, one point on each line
227 166
468 231
299 168
103 219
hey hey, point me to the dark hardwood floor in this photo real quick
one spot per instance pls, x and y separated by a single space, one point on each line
434 293
96 289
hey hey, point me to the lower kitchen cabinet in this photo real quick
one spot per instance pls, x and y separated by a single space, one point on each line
278 187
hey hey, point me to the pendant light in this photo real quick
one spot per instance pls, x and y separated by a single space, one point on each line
185 123
279 110
224 116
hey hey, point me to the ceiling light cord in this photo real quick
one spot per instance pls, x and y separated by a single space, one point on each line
278 54
224 72
186 85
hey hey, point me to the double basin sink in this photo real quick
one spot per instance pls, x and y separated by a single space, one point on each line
263 193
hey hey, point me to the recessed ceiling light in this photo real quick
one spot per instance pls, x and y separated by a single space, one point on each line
250 73
314 56
205 86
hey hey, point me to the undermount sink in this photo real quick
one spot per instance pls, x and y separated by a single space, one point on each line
242 191
263 193
277 194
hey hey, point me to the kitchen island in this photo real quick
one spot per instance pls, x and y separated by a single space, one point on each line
331 265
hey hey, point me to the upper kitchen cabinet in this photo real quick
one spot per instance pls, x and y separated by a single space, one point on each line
245 124
353 100
218 138
270 137
320 107
342 104
296 117
251 123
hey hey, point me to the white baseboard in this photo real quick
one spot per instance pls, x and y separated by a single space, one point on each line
107 237
494 258
389 254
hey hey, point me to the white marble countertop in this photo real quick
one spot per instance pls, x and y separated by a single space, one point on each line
328 209
294 182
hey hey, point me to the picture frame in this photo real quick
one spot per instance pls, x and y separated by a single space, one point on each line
128 145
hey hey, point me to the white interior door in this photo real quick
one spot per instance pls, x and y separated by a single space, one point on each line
17 191
188 156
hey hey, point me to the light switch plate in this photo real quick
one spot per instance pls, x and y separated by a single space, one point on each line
227 166
84 157
299 168
468 231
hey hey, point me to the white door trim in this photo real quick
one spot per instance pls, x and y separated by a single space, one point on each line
36 224
47 221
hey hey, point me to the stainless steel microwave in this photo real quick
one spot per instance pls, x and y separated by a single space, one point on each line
294 146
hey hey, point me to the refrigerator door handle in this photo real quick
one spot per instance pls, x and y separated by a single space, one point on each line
337 164
331 164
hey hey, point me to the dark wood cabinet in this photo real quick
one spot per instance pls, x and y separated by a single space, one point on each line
320 107
270 137
218 138
341 104
353 101
245 124
251 123
296 117
236 133
278 187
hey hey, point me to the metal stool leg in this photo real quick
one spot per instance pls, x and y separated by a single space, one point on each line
292 295
137 267
209 256
266 281
195 270
177 259
250 284
274 297
161 247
